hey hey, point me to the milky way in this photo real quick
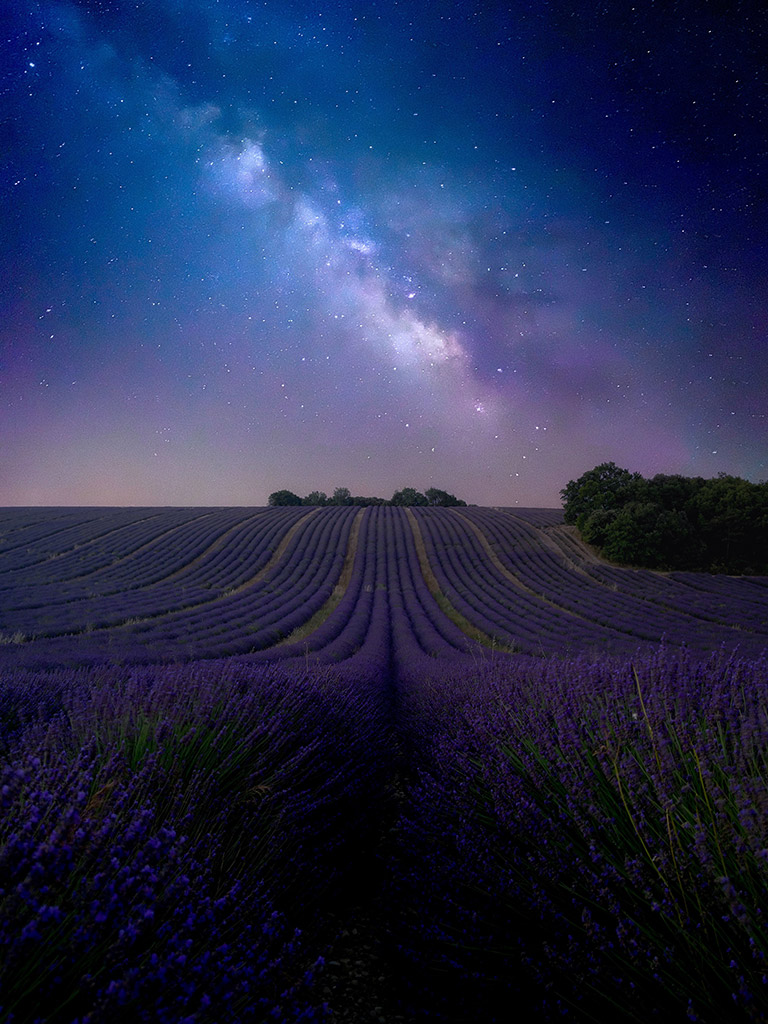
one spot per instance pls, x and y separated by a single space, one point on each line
249 246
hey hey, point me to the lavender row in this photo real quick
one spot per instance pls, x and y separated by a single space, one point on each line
513 614
242 551
372 650
538 566
175 590
386 598
59 532
749 588
171 547
217 555
733 601
716 597
386 558
532 620
438 635
520 550
66 570
235 545
209 601
538 517
96 551
719 598
172 552
386 605
340 635
253 617
291 593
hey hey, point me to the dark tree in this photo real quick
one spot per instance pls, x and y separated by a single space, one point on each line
671 521
341 496
435 496
633 533
733 519
408 496
359 499
283 498
315 498
606 486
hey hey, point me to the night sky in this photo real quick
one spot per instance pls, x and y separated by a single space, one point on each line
482 247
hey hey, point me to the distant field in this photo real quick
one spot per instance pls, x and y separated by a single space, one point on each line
84 585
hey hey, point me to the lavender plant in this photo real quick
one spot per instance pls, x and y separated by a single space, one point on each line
599 831
165 831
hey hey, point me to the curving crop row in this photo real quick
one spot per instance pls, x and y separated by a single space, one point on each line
254 615
412 634
386 601
91 557
715 598
30 534
745 590
235 557
56 536
195 557
538 517
170 552
261 611
436 632
497 603
539 567
734 602
184 586
363 647
343 631
168 540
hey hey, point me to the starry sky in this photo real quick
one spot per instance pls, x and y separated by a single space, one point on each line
259 244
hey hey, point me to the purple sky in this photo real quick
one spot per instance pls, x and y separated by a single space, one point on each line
253 246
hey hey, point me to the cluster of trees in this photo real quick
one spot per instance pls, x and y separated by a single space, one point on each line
342 496
671 522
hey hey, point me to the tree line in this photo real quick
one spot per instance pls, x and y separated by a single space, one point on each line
671 522
343 496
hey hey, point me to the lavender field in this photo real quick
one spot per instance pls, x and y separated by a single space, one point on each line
229 735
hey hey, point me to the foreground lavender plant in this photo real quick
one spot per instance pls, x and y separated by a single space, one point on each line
110 912
579 837
594 837
163 831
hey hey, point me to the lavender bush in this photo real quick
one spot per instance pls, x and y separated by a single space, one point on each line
593 837
164 831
